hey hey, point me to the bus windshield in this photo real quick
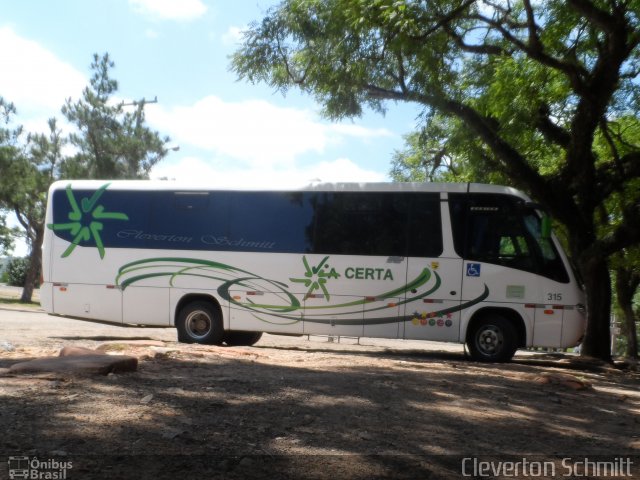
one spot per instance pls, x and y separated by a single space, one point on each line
497 229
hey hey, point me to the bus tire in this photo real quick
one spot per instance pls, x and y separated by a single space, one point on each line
492 338
242 339
200 322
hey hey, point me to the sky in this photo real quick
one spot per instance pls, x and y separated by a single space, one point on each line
223 131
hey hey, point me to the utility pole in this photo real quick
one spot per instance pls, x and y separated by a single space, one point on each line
142 102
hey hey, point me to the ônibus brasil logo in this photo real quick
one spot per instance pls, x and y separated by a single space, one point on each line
85 219
317 277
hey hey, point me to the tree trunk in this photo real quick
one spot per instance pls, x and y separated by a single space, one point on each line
627 282
597 340
35 266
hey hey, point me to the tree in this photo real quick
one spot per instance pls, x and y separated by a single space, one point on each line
442 151
627 282
109 143
17 272
6 236
6 111
8 139
28 172
534 83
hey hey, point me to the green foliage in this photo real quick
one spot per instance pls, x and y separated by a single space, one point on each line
513 82
532 94
28 172
442 151
6 236
112 142
17 271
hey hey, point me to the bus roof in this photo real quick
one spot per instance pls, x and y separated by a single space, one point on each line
315 187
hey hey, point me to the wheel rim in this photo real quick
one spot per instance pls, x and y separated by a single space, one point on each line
489 340
198 324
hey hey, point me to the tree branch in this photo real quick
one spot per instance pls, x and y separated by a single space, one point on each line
482 49
624 236
509 158
534 39
574 72
445 20
550 130
596 15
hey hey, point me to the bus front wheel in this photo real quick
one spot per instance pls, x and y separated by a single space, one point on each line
199 322
493 339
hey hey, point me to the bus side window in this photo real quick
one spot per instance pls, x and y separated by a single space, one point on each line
361 223
425 226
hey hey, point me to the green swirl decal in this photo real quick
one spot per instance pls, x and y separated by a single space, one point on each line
282 306
85 224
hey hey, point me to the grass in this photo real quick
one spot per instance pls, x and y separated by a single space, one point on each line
4 300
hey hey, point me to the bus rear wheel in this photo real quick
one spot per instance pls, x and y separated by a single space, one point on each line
200 322
242 339
493 339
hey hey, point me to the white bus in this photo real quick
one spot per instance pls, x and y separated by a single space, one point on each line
463 263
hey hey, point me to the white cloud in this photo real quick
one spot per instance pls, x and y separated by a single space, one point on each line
195 171
233 35
34 79
151 33
252 131
180 10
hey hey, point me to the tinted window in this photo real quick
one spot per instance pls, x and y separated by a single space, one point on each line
354 223
236 221
381 224
425 226
270 221
499 229
113 218
348 223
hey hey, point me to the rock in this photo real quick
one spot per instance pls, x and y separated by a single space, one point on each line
123 344
246 462
7 347
163 352
79 364
563 380
171 433
145 400
75 351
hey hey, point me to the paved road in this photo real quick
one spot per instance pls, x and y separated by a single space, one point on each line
23 327
28 326
31 327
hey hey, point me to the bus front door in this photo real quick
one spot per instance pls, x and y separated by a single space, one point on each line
435 312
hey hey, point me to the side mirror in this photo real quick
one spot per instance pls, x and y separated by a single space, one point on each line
545 221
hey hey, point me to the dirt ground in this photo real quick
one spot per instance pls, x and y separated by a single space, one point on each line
292 407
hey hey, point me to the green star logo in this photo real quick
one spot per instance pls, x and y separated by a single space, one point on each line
316 277
85 220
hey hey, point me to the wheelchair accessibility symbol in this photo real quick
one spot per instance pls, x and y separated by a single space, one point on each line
473 269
